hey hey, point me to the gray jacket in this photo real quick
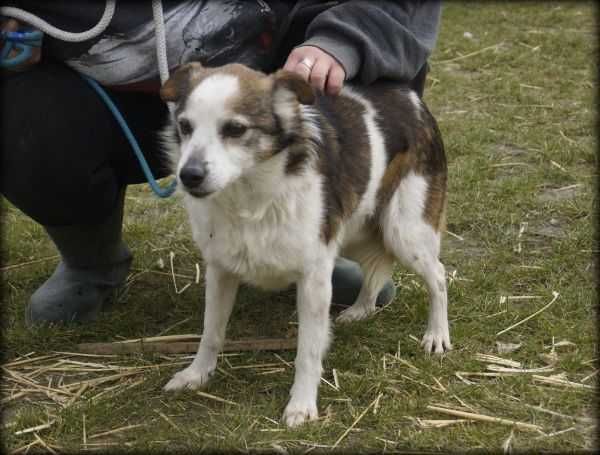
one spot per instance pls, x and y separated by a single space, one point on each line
378 39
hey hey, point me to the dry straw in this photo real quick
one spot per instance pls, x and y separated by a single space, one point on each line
358 419
522 321
552 380
486 418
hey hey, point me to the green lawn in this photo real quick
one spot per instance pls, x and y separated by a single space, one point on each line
512 85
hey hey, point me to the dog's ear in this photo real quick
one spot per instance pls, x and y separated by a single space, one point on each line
180 82
295 84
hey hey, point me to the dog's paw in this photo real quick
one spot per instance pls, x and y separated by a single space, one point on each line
188 379
296 413
355 313
436 341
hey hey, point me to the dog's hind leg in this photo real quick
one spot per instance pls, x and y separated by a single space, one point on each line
428 266
221 289
377 267
416 243
313 301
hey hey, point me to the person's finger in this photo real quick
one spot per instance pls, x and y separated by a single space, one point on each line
291 61
304 68
335 81
11 25
318 75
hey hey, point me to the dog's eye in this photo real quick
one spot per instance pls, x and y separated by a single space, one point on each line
233 129
185 127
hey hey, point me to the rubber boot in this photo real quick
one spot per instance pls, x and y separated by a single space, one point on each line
346 282
94 264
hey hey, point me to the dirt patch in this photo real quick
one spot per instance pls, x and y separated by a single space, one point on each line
564 193
456 69
552 229
510 170
508 160
504 151
465 248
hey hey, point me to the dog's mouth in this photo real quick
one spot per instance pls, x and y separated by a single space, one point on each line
198 193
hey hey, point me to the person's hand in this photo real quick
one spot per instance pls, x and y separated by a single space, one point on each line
12 25
318 68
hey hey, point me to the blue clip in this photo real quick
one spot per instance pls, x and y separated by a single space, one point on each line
23 41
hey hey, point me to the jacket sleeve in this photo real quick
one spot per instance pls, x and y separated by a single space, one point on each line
378 39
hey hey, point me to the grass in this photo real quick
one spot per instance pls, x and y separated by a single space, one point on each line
515 102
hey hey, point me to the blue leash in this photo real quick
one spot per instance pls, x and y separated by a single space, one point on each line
24 41
158 190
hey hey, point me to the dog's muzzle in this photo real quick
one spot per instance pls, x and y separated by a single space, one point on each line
192 176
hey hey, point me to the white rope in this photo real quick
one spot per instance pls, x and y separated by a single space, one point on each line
109 11
101 26
57 33
161 40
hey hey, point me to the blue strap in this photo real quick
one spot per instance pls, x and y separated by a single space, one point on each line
24 41
159 191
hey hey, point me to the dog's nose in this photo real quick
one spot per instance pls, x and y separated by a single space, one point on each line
193 174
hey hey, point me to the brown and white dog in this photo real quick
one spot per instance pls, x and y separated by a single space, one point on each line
278 181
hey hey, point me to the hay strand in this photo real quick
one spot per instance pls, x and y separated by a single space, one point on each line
561 382
6 268
35 429
545 307
589 376
497 360
43 444
116 430
486 418
471 54
216 398
358 419
440 423
501 369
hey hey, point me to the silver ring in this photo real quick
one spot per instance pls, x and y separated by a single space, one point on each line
308 63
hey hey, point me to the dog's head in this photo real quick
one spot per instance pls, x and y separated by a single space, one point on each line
229 120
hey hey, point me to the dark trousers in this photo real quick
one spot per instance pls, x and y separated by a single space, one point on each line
64 159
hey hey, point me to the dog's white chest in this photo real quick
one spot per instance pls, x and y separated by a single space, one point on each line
266 248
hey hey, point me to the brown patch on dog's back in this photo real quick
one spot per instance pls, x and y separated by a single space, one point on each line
413 143
436 167
344 159
435 202
394 173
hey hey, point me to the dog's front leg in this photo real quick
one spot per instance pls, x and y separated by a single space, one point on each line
221 289
313 301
